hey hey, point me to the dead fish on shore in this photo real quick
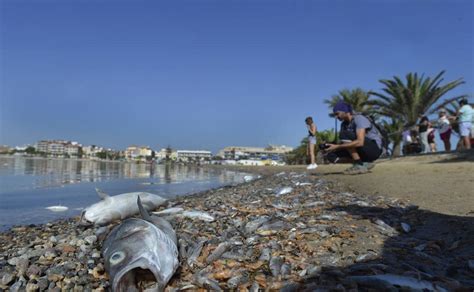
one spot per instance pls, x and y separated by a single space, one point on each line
192 214
249 178
284 191
388 281
139 251
122 206
57 208
169 211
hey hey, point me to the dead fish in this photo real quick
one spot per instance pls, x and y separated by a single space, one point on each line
195 252
388 281
111 208
385 228
406 227
265 255
138 250
284 191
249 178
169 211
302 184
200 215
255 224
237 280
275 265
216 254
203 280
58 208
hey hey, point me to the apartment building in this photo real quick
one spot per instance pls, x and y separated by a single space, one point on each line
271 152
193 155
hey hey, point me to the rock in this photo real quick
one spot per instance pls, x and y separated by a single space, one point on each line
42 283
53 239
32 287
91 239
7 278
33 270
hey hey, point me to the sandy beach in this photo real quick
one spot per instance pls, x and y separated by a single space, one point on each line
407 224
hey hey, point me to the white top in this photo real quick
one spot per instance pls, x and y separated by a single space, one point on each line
443 125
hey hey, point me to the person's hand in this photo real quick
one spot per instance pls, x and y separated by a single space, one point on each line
332 147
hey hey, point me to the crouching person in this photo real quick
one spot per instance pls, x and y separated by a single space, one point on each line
361 141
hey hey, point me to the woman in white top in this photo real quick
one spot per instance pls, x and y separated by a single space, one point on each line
444 129
311 141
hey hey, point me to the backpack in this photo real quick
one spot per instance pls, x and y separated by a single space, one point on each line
383 134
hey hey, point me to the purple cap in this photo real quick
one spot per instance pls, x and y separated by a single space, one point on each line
342 107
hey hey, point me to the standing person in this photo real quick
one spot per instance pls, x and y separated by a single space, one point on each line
465 116
361 140
423 132
407 141
444 129
311 142
431 137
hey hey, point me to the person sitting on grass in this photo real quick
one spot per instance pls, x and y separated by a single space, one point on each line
361 141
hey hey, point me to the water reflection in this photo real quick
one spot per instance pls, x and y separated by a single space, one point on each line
29 185
58 172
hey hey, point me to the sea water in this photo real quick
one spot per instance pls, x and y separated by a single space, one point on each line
28 185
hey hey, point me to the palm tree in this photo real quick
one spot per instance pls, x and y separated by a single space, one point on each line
393 127
409 101
404 103
357 98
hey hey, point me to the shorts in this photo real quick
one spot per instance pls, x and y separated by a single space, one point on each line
368 153
465 129
446 135
431 137
312 140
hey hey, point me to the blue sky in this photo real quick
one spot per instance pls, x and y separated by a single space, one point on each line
210 74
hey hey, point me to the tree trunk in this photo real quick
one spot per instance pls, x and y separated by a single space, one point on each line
396 149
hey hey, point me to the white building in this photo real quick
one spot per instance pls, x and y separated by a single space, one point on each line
193 155
271 152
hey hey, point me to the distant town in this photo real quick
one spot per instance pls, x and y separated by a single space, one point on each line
270 155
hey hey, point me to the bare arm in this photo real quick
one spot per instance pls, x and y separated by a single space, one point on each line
359 142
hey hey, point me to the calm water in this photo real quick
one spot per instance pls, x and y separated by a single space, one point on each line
29 185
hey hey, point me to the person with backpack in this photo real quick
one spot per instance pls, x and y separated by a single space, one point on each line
362 143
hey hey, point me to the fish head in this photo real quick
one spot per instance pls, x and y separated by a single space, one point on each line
93 214
136 251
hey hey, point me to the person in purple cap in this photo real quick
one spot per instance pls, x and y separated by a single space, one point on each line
361 140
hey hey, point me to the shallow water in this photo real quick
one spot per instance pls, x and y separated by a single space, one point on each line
29 185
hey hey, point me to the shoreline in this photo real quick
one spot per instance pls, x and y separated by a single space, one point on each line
317 235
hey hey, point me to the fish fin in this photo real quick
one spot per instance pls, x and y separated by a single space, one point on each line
144 213
101 194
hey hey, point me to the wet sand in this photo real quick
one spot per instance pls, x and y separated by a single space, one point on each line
442 183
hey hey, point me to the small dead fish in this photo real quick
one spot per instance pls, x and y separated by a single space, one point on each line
57 208
275 265
255 224
388 281
406 227
265 254
249 178
385 228
302 184
194 254
203 280
204 216
314 204
217 253
284 191
169 211
238 279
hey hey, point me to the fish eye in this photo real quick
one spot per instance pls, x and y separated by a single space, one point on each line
117 257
